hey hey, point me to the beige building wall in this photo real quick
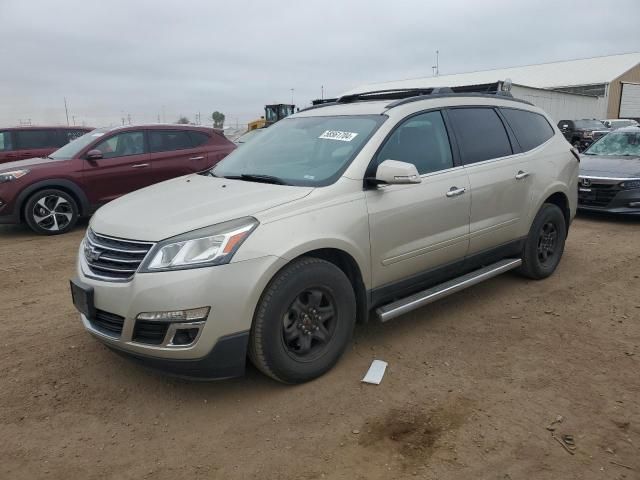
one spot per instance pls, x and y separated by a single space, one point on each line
615 90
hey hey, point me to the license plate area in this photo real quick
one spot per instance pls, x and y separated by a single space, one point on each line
82 296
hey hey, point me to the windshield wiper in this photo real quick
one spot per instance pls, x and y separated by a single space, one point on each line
255 177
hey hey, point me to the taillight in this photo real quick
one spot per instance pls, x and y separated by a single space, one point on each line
575 153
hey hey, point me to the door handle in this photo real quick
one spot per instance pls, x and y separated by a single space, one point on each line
196 158
520 175
455 191
140 165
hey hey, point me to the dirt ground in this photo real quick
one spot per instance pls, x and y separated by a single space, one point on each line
473 381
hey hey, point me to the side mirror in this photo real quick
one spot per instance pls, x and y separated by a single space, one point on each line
393 172
94 155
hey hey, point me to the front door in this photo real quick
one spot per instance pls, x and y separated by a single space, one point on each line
417 228
125 167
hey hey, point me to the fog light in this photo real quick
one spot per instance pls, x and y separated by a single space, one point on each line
192 315
185 336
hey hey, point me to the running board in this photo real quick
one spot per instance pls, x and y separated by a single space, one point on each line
404 305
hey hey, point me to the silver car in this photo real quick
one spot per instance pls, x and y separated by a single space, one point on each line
357 208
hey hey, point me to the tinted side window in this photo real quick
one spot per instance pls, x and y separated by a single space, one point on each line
480 134
531 129
26 139
5 141
168 140
122 144
421 140
198 138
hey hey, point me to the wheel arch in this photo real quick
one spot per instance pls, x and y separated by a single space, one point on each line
561 201
65 185
349 266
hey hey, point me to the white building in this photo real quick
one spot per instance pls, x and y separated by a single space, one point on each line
600 87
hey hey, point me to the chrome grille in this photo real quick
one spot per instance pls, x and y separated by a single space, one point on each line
597 194
113 258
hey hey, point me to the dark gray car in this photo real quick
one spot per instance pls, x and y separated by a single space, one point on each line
610 173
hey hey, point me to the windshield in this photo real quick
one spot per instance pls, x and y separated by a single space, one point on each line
590 124
617 144
305 151
74 147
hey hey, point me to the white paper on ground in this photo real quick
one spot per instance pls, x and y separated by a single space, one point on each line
376 372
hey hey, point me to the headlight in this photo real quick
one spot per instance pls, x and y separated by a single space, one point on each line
629 184
13 175
205 247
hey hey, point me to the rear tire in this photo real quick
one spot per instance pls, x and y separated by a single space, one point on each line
545 243
303 322
51 212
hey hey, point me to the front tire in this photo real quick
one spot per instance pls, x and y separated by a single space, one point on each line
51 212
545 243
303 322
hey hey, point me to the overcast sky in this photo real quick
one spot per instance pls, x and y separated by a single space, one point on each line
159 59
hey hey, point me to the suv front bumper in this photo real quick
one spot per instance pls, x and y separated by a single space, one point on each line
219 350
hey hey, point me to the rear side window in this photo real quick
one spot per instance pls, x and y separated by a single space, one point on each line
168 140
531 129
480 134
5 141
26 139
198 138
421 140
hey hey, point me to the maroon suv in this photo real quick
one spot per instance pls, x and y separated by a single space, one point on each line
49 194
17 143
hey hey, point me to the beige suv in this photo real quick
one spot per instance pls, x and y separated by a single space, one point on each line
376 203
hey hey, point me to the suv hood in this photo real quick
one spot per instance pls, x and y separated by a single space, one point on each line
188 203
27 163
609 166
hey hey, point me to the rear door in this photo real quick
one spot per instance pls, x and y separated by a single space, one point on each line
416 228
500 178
35 142
174 153
125 167
7 154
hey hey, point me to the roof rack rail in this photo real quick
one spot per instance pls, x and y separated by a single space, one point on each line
408 95
496 88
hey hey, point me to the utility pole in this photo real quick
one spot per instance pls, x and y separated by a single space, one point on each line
436 67
321 92
66 110
292 90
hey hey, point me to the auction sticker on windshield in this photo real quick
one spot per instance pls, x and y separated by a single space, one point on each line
338 135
